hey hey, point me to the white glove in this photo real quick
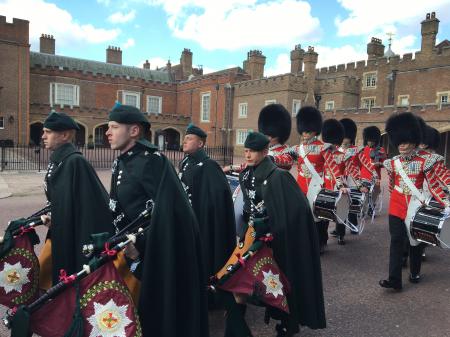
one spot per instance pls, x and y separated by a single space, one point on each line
447 210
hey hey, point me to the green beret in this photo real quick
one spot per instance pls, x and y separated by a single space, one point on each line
127 114
256 141
59 121
195 130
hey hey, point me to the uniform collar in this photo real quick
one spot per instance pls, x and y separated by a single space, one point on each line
199 155
264 169
312 140
410 156
62 152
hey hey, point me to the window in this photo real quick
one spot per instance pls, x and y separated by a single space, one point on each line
270 101
241 136
370 80
2 122
443 98
205 107
99 135
296 105
131 98
403 100
243 110
368 102
154 104
64 94
329 105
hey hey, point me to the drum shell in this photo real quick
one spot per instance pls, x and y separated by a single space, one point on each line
359 202
329 203
431 225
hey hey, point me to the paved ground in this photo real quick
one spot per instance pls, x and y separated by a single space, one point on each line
355 304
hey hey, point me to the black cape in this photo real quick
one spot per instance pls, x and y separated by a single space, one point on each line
79 208
295 244
210 195
173 300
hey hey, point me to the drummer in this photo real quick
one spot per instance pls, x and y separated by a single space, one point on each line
312 154
407 173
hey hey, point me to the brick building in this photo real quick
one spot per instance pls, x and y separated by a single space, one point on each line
368 91
225 103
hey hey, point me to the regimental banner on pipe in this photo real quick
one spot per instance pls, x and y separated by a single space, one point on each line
19 273
106 307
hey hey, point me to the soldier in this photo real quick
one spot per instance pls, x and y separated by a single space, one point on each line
79 202
274 207
407 172
169 260
371 158
312 156
209 193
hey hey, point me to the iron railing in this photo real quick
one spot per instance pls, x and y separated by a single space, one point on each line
33 158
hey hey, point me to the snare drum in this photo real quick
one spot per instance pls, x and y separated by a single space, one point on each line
359 202
431 225
331 205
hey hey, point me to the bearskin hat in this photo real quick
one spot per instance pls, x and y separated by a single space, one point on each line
432 138
275 121
350 129
422 124
309 119
333 132
373 134
404 128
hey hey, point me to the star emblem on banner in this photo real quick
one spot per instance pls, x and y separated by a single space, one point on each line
13 277
109 320
273 283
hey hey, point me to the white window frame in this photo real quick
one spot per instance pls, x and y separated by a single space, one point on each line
270 101
401 98
53 97
296 105
159 98
440 96
203 117
2 123
132 93
329 103
243 110
364 99
241 136
372 78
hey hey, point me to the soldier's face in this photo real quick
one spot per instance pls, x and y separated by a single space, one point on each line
192 143
53 139
120 136
406 148
253 157
346 143
307 135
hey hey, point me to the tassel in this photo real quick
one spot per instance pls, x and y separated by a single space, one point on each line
77 326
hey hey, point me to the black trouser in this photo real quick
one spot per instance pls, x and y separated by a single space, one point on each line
322 231
397 230
235 325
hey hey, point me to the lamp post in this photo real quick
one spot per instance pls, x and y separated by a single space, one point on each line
215 122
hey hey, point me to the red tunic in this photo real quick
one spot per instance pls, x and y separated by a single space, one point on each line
317 153
329 177
419 167
284 161
368 158
352 164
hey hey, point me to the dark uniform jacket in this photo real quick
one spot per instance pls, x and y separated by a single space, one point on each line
173 287
210 195
79 208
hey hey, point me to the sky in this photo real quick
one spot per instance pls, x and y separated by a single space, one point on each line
221 32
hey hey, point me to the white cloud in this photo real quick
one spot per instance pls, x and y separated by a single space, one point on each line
120 17
130 43
364 17
282 66
48 18
154 62
104 2
329 56
236 24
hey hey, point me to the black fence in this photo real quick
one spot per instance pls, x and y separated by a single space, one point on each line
32 158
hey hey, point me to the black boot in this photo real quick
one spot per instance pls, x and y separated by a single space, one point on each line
235 325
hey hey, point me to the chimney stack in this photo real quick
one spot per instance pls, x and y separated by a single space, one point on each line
47 44
297 59
375 48
113 55
430 28
146 65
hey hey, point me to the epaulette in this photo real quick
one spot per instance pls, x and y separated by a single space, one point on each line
326 146
430 160
147 145
388 164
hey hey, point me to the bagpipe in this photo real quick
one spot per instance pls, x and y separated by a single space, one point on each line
96 295
19 266
252 269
